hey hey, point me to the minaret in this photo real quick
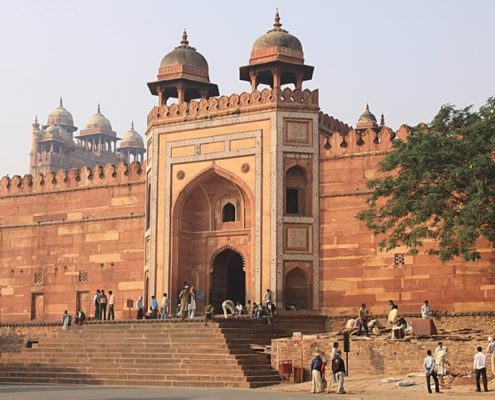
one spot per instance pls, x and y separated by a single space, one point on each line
35 137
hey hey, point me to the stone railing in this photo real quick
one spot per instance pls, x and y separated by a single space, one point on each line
74 178
235 104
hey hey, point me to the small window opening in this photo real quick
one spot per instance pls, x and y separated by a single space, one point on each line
228 212
292 201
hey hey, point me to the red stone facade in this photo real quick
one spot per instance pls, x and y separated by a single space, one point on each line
67 234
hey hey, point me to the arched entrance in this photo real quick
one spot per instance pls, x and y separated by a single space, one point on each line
228 280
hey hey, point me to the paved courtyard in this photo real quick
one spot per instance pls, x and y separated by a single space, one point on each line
45 392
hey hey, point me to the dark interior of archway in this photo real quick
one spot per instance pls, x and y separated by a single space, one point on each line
228 279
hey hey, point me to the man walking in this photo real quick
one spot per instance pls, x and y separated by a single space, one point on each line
479 366
429 367
316 366
338 369
111 305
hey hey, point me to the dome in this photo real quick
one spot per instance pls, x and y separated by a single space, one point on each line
367 120
367 116
55 130
277 37
131 139
60 116
184 55
98 121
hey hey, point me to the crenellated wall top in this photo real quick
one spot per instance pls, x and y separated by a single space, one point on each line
356 141
235 104
72 179
328 125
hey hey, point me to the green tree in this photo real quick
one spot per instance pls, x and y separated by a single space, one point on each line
438 184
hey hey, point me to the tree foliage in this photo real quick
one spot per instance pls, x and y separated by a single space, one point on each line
438 185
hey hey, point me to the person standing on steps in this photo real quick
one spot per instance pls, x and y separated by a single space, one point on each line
65 320
267 297
165 304
184 298
191 307
425 310
103 305
96 303
363 320
111 305
139 307
154 308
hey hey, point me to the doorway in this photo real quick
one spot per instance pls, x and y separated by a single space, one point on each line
228 279
37 306
297 291
82 302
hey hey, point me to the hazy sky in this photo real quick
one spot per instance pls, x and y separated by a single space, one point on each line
405 58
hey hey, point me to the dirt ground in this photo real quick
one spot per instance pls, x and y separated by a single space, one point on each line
372 387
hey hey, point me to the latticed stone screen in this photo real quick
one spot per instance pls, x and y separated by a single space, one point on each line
38 278
83 276
399 260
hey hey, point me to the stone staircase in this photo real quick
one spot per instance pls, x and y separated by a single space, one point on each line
149 353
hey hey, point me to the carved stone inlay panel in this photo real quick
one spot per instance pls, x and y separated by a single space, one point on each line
298 132
297 238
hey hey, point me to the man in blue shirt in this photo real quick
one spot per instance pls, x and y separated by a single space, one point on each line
429 367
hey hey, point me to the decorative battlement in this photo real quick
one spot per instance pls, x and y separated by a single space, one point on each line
72 179
329 125
337 144
235 104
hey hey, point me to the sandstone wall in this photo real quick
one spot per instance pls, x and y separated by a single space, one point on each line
352 269
66 234
389 357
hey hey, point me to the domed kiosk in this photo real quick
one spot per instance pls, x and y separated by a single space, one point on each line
98 135
132 146
277 59
184 75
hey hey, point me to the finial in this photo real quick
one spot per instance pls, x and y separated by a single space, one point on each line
382 120
367 107
184 41
132 125
99 109
277 25
61 102
36 119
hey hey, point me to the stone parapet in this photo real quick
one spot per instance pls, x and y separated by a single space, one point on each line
235 104
72 179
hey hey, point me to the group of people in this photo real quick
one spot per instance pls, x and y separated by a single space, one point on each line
435 366
318 369
101 302
265 310
396 322
154 311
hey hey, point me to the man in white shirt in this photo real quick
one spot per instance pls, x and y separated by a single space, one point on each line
479 366
111 305
165 304
429 367
425 310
